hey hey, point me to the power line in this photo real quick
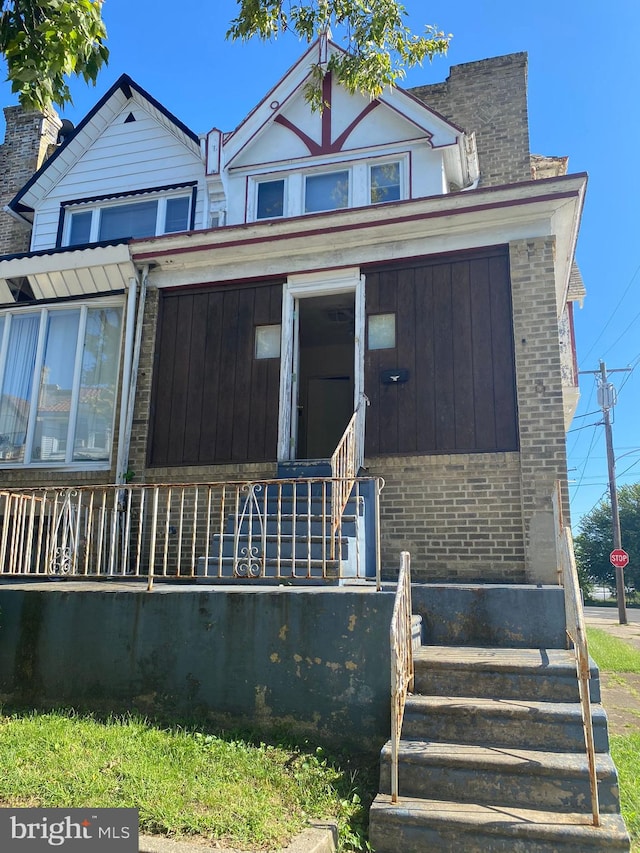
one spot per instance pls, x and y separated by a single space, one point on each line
609 321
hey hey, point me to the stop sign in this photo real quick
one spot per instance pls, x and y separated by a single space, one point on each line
618 557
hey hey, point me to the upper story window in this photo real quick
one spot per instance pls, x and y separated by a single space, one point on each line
270 199
361 183
384 179
148 217
58 380
326 191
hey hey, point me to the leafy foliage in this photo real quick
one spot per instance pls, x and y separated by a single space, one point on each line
594 542
46 41
379 45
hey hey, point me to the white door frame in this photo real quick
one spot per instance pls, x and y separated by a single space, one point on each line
298 287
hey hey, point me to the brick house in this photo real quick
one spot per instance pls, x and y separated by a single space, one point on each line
221 306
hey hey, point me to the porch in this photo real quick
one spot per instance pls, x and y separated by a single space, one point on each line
289 530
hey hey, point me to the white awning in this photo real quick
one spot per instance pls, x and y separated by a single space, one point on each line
67 272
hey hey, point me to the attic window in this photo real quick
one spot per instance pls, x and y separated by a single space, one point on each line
270 199
129 118
326 191
385 182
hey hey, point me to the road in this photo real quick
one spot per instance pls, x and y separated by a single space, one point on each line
610 614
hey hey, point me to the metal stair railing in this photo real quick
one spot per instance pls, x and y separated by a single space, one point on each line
576 632
402 673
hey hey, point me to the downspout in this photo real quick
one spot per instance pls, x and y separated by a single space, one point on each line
130 387
126 378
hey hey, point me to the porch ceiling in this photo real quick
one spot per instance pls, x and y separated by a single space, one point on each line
68 273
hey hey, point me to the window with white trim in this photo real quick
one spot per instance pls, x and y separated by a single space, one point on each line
146 217
58 382
356 184
384 182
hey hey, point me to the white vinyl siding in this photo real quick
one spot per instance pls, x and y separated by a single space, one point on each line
126 158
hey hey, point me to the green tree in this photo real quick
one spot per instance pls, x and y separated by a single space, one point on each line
594 542
379 46
46 41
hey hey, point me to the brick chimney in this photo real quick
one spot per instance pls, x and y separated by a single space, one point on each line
29 139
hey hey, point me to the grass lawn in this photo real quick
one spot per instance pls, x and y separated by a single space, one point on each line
184 782
615 656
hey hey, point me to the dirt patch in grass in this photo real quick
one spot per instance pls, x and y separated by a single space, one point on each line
621 699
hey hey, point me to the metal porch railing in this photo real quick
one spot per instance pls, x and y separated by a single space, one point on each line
577 634
401 662
272 529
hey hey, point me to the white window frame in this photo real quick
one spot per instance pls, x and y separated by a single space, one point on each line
96 207
401 177
359 185
45 311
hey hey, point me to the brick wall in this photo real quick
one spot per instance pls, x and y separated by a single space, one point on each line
540 404
489 98
459 515
29 136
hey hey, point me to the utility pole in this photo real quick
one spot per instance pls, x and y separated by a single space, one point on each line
607 399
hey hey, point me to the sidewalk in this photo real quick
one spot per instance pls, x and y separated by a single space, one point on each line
321 838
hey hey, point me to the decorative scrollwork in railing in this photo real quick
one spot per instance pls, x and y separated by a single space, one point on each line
248 565
64 542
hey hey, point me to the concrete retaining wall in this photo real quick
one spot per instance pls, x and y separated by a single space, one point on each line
313 662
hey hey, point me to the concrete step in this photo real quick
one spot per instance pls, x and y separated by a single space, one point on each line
271 568
502 776
503 722
313 547
302 523
419 825
541 674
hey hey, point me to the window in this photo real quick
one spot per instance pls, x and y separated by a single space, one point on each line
144 218
268 341
355 184
326 191
382 331
59 372
270 199
385 182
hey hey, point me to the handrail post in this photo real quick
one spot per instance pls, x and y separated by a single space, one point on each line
577 635
401 647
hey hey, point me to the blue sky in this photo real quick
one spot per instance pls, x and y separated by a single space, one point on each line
584 76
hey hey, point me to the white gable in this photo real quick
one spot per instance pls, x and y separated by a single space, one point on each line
283 139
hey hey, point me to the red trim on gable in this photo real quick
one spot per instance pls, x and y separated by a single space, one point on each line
327 98
313 147
326 146
337 145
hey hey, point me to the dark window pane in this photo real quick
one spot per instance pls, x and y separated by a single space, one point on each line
385 182
177 218
128 220
327 192
80 231
270 199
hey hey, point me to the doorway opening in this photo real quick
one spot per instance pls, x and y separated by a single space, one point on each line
325 387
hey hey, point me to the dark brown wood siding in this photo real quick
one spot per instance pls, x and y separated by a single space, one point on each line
454 335
213 401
